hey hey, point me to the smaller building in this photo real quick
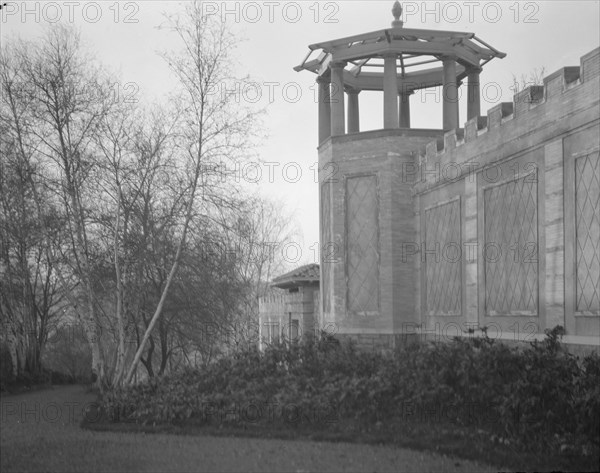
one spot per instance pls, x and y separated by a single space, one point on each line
287 311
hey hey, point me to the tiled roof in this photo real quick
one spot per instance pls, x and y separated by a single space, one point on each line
308 273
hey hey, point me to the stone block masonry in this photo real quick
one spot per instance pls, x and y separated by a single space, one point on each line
495 224
529 176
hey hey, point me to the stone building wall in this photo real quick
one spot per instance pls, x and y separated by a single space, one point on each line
271 311
507 214
287 315
435 234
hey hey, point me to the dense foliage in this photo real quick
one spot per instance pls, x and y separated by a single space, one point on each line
532 397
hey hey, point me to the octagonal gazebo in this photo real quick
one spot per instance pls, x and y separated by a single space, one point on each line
397 61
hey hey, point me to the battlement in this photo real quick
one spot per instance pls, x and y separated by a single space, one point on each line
563 93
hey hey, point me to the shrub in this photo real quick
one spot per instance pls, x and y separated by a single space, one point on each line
537 396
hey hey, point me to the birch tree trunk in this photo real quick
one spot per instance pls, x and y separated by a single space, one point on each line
212 126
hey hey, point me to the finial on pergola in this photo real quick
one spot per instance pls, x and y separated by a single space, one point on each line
397 12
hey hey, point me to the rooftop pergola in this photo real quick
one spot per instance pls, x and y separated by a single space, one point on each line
397 61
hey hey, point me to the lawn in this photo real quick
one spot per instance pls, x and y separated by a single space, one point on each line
55 442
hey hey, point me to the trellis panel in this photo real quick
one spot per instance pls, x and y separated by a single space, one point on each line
510 250
362 245
443 259
587 229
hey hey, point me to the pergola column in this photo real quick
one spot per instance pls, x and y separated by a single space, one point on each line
353 113
390 92
404 111
450 94
338 125
473 95
324 109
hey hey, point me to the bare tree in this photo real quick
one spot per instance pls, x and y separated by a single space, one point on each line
213 127
31 224
141 193
55 103
28 286
135 153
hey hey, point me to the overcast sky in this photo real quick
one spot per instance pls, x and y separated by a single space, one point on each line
274 36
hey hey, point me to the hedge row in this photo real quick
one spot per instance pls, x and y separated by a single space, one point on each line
535 396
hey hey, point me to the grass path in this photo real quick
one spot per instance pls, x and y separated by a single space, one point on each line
40 432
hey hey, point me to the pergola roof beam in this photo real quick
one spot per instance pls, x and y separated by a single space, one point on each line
427 61
399 47
393 32
402 58
433 33
324 65
327 45
372 81
496 52
358 66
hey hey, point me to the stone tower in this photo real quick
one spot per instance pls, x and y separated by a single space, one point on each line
366 179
